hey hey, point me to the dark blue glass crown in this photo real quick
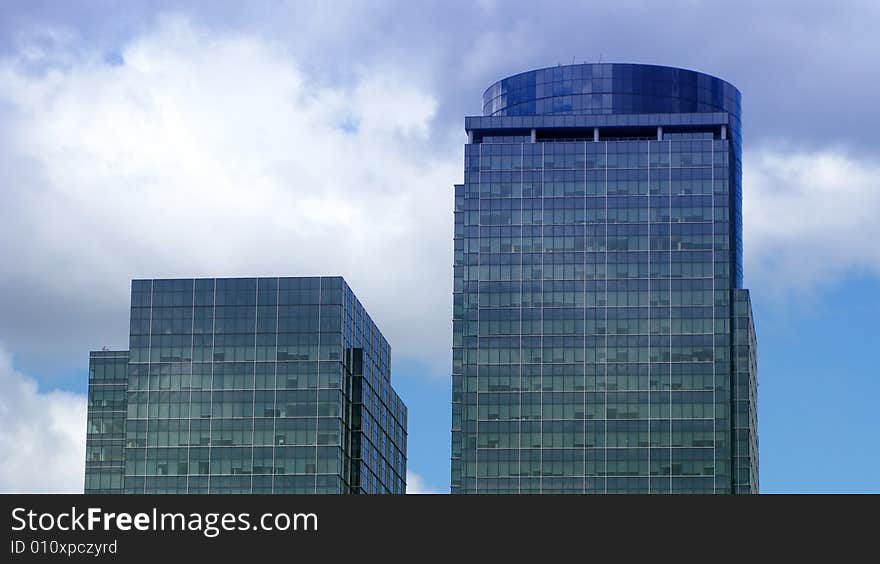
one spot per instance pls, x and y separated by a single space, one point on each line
610 88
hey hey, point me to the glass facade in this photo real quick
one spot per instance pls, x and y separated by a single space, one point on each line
602 342
105 433
257 385
745 395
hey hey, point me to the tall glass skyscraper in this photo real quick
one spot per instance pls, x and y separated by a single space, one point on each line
602 340
246 385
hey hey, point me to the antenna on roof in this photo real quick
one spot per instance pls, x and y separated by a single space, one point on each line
600 58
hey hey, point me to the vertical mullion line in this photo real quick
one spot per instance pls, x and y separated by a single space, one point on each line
522 149
213 360
192 355
275 385
543 305
477 359
714 404
584 353
149 370
346 407
648 216
669 280
605 307
347 396
318 385
254 386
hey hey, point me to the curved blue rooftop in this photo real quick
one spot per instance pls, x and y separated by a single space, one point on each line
610 88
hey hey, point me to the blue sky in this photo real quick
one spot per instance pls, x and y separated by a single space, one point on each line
149 139
818 383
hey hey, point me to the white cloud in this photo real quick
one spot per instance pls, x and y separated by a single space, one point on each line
415 484
810 218
42 435
211 154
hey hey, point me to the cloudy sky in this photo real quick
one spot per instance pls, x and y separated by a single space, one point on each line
157 138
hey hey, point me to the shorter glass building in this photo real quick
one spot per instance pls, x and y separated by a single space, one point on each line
105 435
246 385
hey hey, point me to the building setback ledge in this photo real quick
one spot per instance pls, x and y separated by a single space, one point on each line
488 124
